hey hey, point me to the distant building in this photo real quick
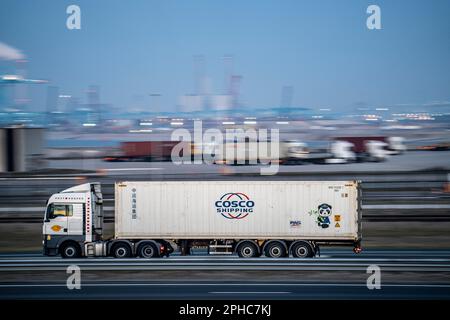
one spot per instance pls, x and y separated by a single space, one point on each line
221 102
200 103
191 103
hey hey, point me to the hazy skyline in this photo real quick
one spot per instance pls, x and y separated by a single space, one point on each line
322 49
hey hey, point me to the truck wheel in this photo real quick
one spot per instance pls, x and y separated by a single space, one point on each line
121 250
148 250
247 250
70 250
275 250
302 249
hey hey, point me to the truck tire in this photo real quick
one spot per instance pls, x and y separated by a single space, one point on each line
121 250
148 250
302 249
247 250
275 250
70 250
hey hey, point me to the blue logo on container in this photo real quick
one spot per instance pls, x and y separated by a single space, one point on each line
234 205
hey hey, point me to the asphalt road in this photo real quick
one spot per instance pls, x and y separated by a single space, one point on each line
426 272
227 291
402 262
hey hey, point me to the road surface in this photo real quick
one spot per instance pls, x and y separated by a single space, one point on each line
337 274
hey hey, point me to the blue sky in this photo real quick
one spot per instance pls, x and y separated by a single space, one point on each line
321 48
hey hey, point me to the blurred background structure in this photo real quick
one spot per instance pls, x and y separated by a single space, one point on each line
22 149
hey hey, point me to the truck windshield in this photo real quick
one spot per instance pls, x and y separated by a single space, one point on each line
59 210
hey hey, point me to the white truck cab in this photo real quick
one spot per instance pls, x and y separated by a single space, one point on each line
342 152
73 218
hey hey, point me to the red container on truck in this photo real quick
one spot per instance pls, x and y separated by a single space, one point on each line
145 151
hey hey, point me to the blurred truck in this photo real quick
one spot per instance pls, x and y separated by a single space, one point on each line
255 151
144 151
250 218
370 148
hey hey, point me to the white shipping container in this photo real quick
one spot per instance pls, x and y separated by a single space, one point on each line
326 210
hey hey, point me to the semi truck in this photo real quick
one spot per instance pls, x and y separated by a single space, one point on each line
248 218
371 148
253 152
144 151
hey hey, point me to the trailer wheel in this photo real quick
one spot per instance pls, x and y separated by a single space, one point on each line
70 250
247 250
121 250
302 249
275 250
148 250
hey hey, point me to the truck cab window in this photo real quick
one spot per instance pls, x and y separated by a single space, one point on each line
59 210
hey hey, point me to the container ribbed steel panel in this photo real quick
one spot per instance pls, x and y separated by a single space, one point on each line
326 210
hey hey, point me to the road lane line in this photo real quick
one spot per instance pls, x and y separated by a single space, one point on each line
131 169
249 292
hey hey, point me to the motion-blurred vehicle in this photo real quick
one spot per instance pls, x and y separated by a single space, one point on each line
234 152
250 218
396 145
341 152
254 152
375 148
375 151
294 152
246 151
144 151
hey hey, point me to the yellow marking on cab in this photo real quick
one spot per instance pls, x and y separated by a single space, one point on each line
56 228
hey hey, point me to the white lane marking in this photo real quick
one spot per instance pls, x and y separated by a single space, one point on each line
226 284
131 169
249 292
71 177
406 206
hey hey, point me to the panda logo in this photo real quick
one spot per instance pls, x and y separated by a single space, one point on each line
323 217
